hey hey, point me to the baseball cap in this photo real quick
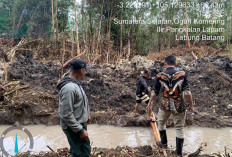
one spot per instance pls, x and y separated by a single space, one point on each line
77 64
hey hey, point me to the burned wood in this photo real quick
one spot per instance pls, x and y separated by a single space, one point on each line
197 152
43 113
53 150
50 148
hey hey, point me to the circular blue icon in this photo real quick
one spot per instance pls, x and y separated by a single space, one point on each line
16 149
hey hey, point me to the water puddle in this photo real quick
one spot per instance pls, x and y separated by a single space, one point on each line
110 137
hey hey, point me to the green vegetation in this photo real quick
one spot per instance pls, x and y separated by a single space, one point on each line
22 18
99 23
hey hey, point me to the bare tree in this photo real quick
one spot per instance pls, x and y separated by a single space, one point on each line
72 45
56 19
213 11
53 24
21 17
109 34
82 21
63 54
77 38
121 34
186 18
129 45
99 26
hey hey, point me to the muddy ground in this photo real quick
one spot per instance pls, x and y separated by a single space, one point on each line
30 96
111 91
125 152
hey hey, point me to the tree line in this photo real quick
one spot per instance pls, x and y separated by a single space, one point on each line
94 27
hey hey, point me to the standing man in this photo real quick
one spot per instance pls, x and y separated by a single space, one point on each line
142 91
74 110
173 87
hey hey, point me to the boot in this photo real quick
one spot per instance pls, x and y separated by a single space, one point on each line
179 146
164 140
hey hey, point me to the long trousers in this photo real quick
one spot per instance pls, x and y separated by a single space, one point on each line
78 148
179 121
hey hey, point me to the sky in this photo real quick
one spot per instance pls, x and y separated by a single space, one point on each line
78 1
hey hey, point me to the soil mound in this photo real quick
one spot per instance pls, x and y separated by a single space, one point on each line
30 96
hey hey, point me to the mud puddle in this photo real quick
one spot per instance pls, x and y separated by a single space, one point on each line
105 136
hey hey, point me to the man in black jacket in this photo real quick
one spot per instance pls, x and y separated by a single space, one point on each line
142 91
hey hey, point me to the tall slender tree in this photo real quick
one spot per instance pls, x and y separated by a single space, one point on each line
77 38
56 20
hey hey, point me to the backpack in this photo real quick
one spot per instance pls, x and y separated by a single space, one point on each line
171 85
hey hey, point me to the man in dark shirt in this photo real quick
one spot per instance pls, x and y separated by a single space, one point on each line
142 91
172 87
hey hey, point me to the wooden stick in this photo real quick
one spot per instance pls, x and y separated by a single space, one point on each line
63 76
65 64
195 57
53 150
156 127
50 148
6 72
11 83
157 135
17 88
154 131
197 152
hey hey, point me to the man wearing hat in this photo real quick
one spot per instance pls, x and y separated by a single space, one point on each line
142 91
74 110
172 92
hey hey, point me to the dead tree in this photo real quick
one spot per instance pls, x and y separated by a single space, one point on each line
77 39
72 45
186 18
56 19
53 24
99 26
121 34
